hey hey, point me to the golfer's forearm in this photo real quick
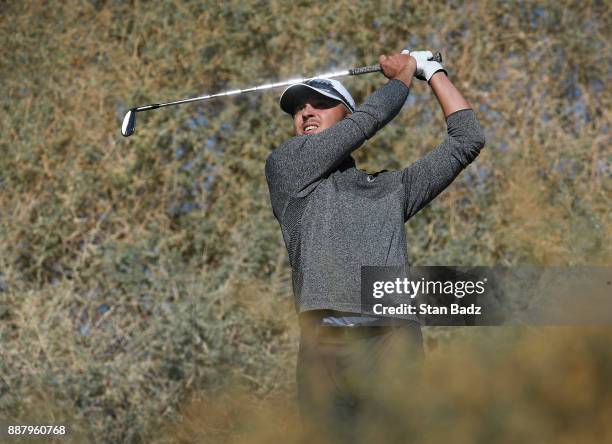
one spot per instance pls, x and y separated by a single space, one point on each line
381 107
302 160
450 99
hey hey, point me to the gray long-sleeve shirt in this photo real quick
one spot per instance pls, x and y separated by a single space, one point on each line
335 218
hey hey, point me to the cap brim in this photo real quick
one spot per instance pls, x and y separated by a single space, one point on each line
291 95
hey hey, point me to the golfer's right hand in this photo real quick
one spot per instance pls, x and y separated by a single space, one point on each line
398 66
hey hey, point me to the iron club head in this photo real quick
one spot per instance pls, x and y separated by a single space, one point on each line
129 121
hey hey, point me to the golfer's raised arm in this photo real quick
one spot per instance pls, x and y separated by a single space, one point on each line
430 175
449 97
302 160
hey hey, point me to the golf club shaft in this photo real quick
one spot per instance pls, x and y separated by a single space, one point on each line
349 72
129 121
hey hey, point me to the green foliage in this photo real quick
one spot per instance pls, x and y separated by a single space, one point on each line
135 272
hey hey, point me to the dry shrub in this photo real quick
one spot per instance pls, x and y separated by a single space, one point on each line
483 385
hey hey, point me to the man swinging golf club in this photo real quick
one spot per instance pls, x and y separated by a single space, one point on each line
336 218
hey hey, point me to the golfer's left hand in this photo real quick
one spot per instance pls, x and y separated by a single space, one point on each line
425 68
398 66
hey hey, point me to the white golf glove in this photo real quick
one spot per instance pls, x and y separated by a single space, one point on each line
425 68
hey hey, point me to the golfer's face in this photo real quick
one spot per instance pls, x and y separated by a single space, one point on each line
315 112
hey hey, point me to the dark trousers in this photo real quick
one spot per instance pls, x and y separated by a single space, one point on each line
343 376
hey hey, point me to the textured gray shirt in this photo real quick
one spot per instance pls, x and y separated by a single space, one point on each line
335 218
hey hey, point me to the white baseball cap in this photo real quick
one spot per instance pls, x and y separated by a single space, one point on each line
327 87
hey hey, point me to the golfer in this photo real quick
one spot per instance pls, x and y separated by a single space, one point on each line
336 218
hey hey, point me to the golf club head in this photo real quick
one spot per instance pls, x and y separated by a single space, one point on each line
129 121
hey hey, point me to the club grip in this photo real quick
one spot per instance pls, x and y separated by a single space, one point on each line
364 70
376 68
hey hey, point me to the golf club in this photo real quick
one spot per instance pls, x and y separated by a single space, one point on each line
129 121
